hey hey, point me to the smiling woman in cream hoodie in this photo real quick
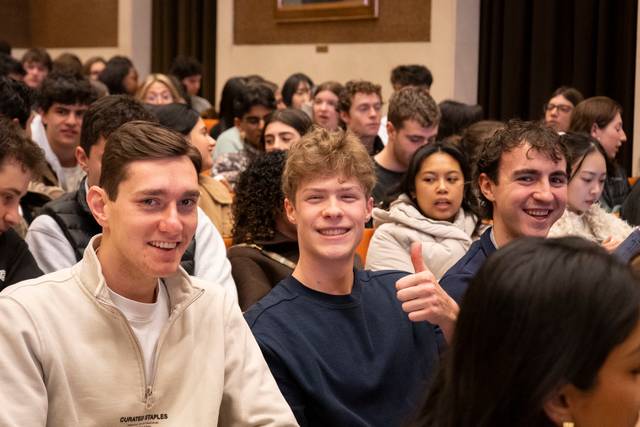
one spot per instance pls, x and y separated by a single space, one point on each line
434 208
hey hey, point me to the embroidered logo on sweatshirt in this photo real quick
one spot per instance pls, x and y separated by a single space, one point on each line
146 420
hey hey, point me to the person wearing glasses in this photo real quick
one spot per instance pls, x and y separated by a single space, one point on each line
361 111
557 111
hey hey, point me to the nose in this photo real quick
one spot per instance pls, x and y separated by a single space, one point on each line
12 216
170 222
212 142
73 118
623 136
279 144
442 186
543 193
332 208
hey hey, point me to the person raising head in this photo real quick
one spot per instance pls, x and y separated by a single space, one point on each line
296 91
283 128
327 314
436 207
361 110
159 89
215 198
325 101
93 66
149 314
558 110
537 342
37 63
584 217
521 176
600 117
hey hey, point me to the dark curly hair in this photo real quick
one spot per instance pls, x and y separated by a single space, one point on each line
259 199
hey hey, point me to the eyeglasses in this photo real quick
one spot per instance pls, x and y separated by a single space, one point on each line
562 108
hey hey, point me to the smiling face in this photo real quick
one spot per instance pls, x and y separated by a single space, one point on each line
279 136
529 196
150 224
439 187
325 110
200 138
363 118
611 136
557 114
330 213
587 183
158 94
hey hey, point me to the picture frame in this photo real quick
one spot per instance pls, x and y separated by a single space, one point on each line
293 11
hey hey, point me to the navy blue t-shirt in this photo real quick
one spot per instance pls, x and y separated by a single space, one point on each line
346 360
456 280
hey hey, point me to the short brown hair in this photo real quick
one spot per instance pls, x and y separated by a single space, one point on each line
140 140
357 86
516 133
15 146
323 153
413 103
600 110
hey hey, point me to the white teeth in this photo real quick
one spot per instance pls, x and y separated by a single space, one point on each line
333 231
164 245
538 212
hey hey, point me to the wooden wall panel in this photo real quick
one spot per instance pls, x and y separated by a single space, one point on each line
398 21
74 23
14 22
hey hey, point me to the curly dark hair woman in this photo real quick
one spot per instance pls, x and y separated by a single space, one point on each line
259 199
265 247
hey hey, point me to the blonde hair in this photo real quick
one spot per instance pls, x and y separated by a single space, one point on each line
322 153
141 94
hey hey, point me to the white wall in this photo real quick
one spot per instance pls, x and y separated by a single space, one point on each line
451 55
134 37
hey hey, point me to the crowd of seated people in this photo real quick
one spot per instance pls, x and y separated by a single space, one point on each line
200 273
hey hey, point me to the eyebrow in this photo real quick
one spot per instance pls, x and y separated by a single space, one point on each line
158 192
12 190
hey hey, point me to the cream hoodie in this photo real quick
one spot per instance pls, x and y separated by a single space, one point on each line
69 358
443 242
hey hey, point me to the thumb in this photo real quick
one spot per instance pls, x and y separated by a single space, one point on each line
416 257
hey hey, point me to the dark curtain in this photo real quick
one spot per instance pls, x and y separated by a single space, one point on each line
185 27
528 48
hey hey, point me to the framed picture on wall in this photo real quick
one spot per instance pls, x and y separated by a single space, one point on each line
324 10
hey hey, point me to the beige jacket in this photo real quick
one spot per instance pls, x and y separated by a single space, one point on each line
69 358
215 200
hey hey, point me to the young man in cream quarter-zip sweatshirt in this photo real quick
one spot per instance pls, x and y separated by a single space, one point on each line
125 337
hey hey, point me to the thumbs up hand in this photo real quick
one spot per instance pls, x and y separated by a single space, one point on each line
422 297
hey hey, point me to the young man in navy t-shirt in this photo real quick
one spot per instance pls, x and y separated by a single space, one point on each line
346 347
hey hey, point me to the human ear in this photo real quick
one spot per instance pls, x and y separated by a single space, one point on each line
236 122
290 211
486 186
369 208
557 406
344 115
391 130
595 131
97 201
82 158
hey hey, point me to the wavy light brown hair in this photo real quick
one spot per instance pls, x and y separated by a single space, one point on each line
321 153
